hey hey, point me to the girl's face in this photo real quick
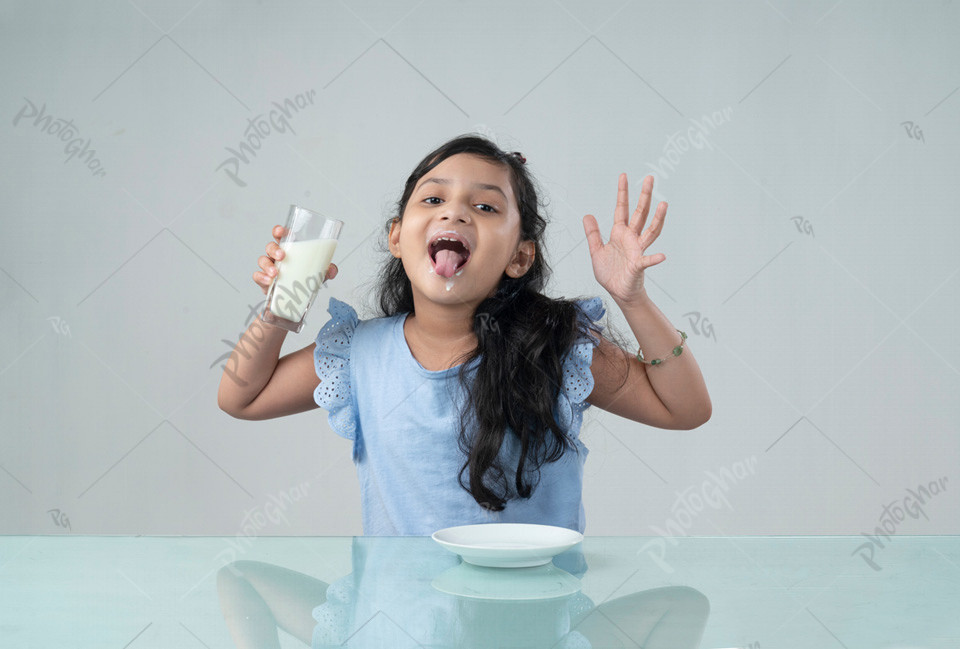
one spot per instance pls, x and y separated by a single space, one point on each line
470 199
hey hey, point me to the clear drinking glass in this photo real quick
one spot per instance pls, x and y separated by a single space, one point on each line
308 247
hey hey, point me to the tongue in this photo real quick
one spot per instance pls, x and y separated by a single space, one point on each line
447 261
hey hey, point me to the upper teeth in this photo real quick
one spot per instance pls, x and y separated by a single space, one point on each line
448 239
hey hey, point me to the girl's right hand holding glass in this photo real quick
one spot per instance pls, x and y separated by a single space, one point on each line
275 253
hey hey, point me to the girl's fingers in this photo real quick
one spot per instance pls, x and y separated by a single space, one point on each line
268 270
594 239
653 260
274 251
620 212
265 276
263 281
651 233
273 248
267 265
331 271
658 217
643 205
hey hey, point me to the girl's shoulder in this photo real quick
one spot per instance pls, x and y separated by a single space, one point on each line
342 313
345 326
339 329
589 311
591 308
339 309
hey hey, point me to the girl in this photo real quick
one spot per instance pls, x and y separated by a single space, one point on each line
464 398
464 401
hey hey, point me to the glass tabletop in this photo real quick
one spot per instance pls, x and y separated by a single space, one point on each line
138 592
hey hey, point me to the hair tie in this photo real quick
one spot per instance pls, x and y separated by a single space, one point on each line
519 157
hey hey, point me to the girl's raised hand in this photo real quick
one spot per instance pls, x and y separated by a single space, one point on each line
618 265
275 253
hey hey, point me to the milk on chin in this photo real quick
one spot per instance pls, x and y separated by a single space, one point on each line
299 275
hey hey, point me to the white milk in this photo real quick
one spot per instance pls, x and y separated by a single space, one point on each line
299 274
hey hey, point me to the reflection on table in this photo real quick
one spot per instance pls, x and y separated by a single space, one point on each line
414 593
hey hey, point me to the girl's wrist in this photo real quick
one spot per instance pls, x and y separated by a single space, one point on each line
269 326
639 299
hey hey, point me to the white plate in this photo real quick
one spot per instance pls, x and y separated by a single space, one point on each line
507 545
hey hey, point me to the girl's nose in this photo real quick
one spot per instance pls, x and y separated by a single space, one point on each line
456 212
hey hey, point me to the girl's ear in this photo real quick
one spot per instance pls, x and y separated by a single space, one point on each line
395 238
522 260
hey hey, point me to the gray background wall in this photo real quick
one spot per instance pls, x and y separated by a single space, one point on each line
807 151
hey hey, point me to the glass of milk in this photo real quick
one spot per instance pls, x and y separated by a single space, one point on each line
308 247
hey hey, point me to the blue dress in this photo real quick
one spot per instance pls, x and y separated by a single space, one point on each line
404 423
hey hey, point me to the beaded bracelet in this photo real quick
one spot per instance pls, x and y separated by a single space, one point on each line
657 361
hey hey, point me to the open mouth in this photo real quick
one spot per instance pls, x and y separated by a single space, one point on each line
448 255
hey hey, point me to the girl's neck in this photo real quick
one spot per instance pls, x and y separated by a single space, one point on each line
444 329
439 334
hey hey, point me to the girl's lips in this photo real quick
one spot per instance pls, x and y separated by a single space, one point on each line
436 248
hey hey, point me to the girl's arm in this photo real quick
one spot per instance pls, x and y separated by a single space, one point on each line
250 366
255 385
670 395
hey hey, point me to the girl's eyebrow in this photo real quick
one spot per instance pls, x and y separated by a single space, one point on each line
446 181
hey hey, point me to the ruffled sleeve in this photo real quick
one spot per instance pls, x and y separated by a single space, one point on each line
331 360
577 378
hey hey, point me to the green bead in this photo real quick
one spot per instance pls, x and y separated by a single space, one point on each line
656 361
677 351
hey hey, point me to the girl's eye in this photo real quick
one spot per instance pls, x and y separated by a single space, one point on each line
492 209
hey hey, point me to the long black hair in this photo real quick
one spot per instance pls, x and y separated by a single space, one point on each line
522 339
